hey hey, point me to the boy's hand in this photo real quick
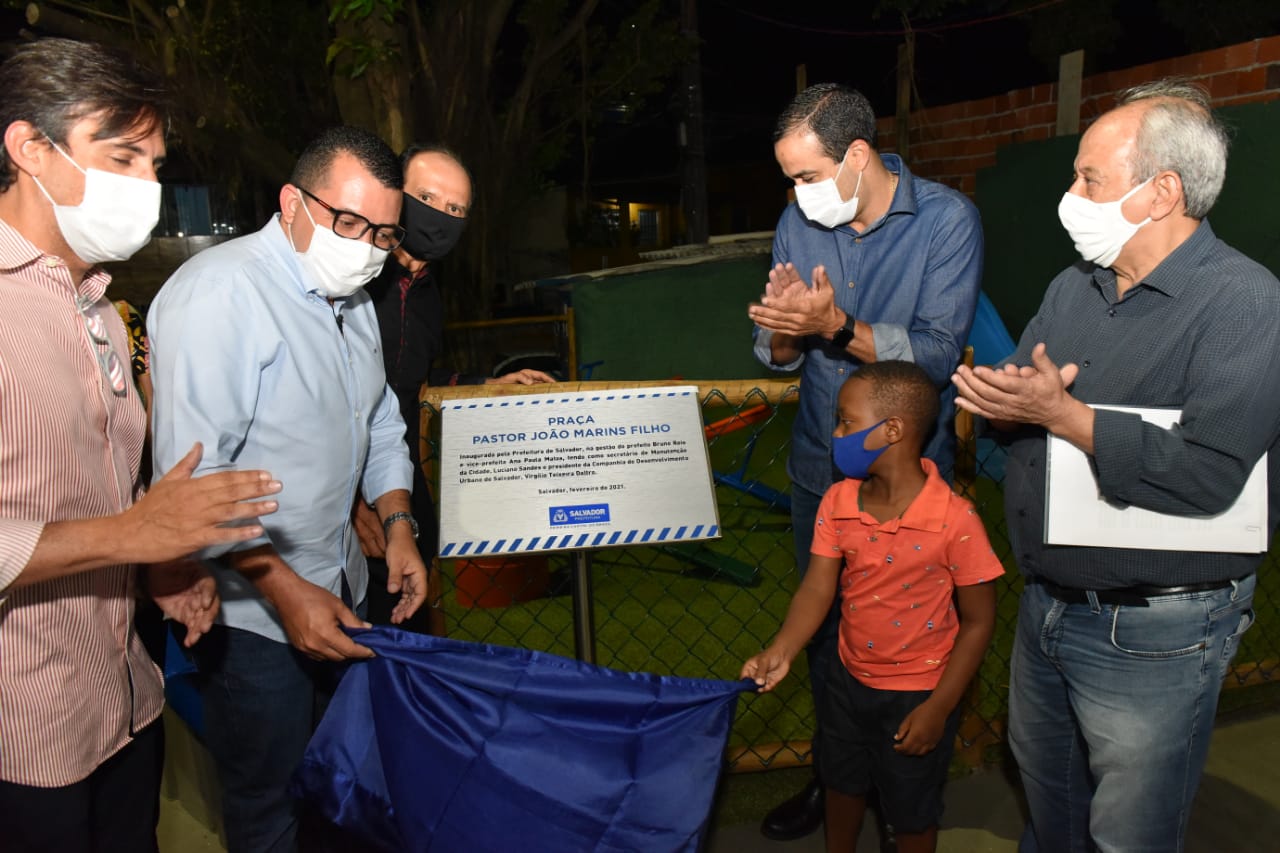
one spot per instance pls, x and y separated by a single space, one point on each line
921 730
767 669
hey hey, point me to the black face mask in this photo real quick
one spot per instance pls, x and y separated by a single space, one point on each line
429 234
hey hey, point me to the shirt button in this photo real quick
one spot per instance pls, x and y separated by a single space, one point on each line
840 370
1086 362
1111 313
851 284
357 416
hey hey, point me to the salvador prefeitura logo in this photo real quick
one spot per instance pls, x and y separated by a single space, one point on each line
580 514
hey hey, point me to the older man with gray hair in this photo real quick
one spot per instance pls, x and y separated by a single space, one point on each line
1120 652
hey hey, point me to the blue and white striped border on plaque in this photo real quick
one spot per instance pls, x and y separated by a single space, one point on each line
603 539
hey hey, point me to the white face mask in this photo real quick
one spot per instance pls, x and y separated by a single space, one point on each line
113 220
821 203
1099 229
338 266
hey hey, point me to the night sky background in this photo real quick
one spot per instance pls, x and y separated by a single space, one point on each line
749 51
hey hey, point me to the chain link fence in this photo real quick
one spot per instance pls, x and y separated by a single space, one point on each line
701 609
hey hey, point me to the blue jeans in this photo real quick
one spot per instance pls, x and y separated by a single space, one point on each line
1110 713
262 699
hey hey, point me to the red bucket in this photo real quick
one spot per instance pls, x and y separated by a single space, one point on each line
501 581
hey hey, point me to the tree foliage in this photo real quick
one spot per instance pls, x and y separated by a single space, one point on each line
247 80
508 85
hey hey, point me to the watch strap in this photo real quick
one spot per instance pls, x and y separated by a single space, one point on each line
843 336
399 516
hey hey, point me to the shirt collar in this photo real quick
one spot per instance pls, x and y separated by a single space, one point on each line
275 236
17 252
400 272
1170 275
927 511
904 196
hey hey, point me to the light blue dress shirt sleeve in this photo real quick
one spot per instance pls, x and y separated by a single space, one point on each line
207 371
248 358
389 467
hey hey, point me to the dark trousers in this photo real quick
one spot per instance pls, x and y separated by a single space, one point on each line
113 810
381 602
262 700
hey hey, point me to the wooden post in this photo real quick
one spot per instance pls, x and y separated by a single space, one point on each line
966 464
1070 77
625 244
902 125
693 162
802 83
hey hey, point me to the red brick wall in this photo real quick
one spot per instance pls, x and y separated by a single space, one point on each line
950 143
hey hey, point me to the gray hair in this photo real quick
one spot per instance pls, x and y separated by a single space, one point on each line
1179 132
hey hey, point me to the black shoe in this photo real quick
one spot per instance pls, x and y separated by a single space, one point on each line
796 817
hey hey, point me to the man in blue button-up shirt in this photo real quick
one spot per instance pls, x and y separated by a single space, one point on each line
267 348
871 263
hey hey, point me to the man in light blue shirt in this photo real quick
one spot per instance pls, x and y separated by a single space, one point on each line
267 348
871 263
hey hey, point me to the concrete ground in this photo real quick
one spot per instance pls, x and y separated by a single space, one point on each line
1237 808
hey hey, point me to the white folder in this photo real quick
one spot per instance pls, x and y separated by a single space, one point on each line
1077 514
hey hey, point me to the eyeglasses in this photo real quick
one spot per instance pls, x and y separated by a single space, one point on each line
107 358
353 226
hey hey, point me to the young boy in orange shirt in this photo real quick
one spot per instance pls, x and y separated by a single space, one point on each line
912 566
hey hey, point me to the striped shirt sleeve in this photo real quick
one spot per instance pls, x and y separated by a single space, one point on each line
17 543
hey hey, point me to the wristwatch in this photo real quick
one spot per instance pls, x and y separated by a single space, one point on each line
840 340
399 516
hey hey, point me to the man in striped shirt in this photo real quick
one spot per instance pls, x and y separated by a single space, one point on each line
80 741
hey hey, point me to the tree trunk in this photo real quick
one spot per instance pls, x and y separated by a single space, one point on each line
693 193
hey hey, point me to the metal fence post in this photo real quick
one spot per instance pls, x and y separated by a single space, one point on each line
584 618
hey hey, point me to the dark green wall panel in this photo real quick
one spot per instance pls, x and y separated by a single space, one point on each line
688 321
1026 246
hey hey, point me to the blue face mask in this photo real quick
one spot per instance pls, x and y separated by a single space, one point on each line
851 457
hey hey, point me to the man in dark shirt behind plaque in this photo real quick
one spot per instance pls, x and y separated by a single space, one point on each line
410 308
